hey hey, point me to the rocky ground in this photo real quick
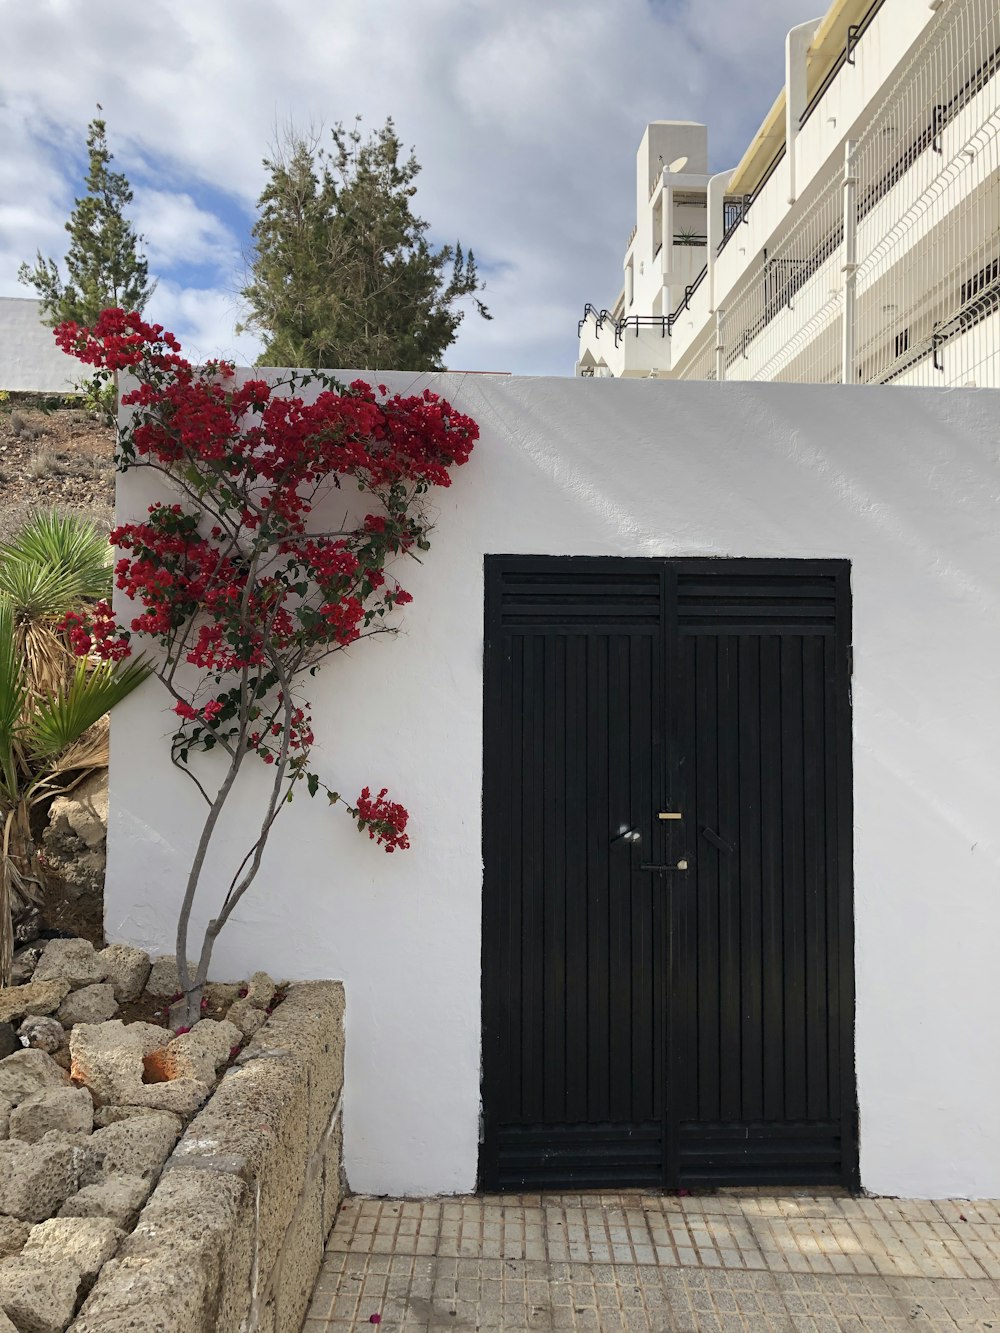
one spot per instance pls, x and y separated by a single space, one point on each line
53 457
91 1107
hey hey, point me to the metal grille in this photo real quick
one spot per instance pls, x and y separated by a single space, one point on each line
783 321
926 212
701 365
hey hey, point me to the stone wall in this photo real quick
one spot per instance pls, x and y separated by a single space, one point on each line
232 1237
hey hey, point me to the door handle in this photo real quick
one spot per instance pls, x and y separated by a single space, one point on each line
716 839
628 835
646 865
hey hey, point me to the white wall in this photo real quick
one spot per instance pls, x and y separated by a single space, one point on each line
905 485
29 357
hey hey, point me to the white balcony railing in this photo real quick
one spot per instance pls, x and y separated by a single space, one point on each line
924 207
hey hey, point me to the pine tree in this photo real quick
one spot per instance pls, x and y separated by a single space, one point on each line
343 274
104 262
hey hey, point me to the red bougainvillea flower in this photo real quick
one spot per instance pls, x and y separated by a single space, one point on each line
233 578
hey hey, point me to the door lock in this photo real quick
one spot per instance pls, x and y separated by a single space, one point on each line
670 814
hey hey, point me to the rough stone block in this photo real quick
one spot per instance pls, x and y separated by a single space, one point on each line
5 1110
246 1017
36 997
221 994
301 1255
89 1004
139 1296
25 962
127 969
308 1028
36 1178
118 1197
68 1109
168 1275
13 1234
254 1126
136 1147
183 1096
163 978
108 1058
85 1242
198 1053
111 1114
261 990
151 1036
43 1033
38 1296
5 1325
72 960
27 1072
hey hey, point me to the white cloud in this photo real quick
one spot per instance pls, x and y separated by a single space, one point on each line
525 117
176 231
203 319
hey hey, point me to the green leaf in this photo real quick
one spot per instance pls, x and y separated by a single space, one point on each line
52 565
63 719
312 783
13 690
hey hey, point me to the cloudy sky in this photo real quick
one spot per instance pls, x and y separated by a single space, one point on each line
525 115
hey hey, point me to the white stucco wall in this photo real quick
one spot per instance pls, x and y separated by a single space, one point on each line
29 357
904 485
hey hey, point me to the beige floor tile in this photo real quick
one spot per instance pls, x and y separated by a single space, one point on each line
602 1262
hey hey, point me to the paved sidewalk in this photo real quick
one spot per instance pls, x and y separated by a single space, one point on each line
652 1264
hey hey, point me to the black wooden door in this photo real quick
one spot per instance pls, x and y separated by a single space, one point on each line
667 960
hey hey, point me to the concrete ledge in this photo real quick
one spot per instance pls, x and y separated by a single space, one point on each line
232 1237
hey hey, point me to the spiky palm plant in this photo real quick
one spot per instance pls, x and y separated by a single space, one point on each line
53 707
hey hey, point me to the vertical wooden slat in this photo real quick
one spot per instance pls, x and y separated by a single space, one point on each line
727 829
749 833
513 980
793 905
642 886
532 905
833 960
707 748
683 997
619 815
598 933
814 880
773 1025
577 905
553 883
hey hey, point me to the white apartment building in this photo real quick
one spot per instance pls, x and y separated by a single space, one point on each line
857 241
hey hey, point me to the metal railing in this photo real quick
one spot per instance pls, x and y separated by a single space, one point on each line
923 212
639 322
620 327
854 34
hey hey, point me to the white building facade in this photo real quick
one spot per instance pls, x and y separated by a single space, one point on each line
772 489
858 240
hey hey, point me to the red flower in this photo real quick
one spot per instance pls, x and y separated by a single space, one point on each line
237 588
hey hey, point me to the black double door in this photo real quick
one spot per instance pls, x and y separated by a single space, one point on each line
667 937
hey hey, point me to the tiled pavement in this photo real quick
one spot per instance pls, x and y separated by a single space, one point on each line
652 1263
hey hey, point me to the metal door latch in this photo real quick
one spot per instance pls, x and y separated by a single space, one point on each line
645 865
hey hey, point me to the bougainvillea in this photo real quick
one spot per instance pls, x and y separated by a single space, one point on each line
240 594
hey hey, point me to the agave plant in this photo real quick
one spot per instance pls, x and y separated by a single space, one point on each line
53 706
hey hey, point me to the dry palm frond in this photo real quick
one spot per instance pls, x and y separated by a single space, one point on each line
47 659
84 755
